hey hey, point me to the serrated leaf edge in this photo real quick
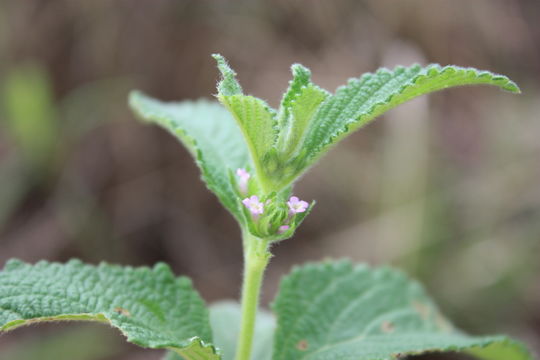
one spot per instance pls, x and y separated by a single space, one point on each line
329 264
195 152
159 268
184 352
424 72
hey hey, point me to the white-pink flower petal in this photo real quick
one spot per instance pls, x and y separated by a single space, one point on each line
243 182
254 205
296 205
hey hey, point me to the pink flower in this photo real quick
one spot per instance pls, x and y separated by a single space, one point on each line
254 205
244 178
296 205
283 228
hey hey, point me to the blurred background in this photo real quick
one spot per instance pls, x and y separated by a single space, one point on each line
446 187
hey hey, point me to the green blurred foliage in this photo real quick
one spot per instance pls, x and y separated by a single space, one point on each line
30 114
79 343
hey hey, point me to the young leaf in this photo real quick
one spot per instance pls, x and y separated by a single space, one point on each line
210 134
300 114
297 108
301 79
361 100
254 117
228 85
151 307
338 311
256 120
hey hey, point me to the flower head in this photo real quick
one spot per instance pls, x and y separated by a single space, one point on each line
244 178
296 205
254 205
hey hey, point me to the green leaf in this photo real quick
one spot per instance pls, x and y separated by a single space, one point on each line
254 117
301 113
338 311
151 307
299 105
256 120
301 79
228 85
210 134
172 356
361 100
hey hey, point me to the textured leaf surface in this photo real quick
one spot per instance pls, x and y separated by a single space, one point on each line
310 120
299 105
151 307
257 121
301 113
211 135
363 99
255 118
336 311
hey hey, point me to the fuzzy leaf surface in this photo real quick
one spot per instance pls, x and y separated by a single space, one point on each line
363 99
210 134
257 121
151 307
298 106
339 311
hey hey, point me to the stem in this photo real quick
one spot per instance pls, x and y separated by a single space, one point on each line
256 257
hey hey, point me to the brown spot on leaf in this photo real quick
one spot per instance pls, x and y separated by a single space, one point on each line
122 311
302 345
387 327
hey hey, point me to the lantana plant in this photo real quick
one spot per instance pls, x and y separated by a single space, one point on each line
250 157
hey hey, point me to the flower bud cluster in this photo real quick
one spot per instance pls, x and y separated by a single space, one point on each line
270 217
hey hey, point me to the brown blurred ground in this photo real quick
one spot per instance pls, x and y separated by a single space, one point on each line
447 187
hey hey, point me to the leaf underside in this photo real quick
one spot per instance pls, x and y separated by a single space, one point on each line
225 319
210 134
151 307
256 121
337 311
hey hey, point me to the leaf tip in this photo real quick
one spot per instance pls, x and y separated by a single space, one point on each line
299 70
222 64
134 95
512 87
134 100
227 85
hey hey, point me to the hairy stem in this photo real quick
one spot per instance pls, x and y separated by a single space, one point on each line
256 257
